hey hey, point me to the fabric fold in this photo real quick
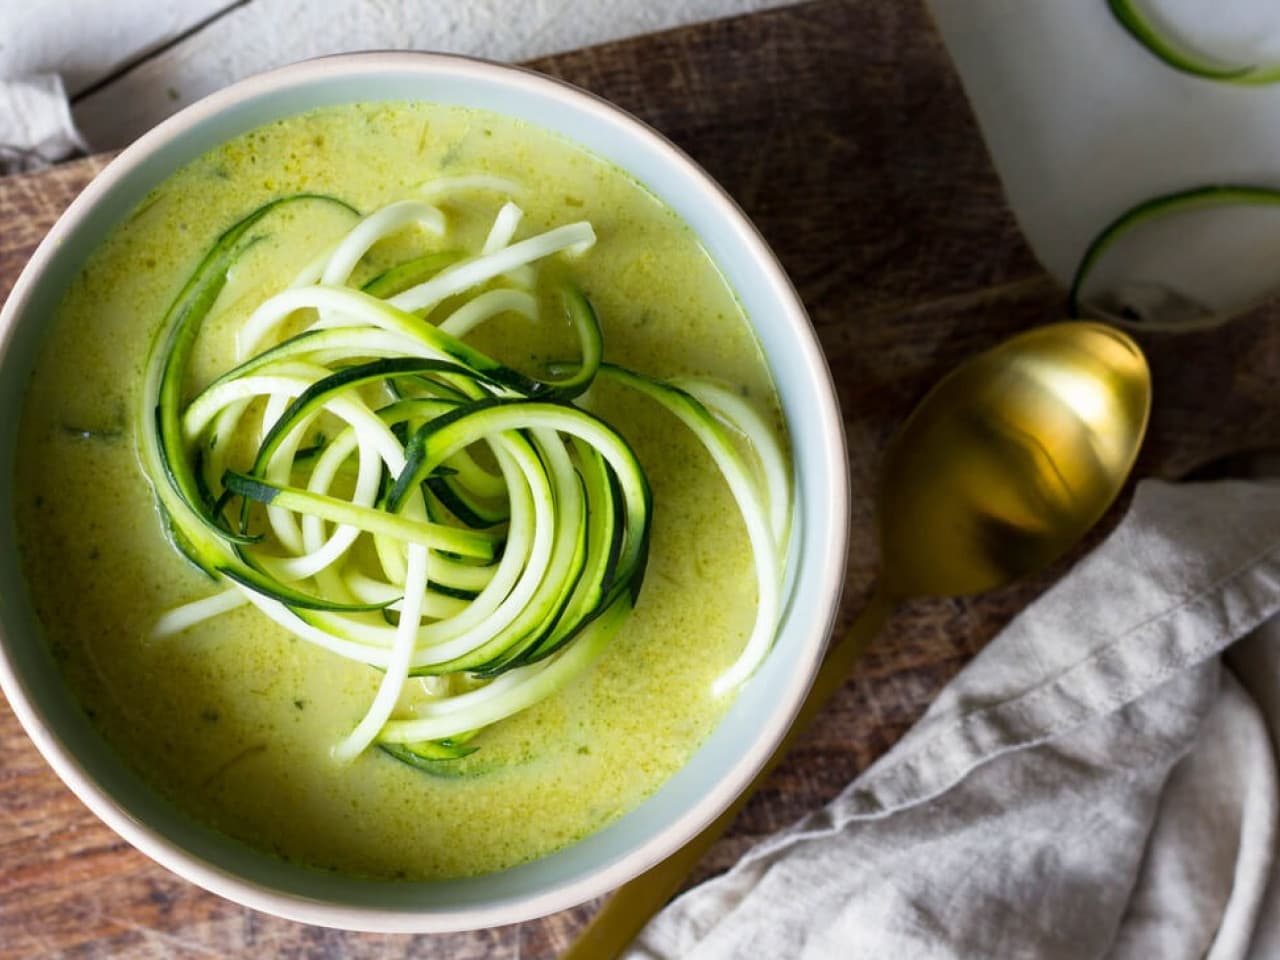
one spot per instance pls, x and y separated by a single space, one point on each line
36 128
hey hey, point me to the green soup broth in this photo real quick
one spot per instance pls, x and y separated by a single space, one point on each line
234 719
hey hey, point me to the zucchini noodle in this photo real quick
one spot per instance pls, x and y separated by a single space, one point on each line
381 489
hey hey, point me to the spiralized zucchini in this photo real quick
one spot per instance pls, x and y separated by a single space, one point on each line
381 489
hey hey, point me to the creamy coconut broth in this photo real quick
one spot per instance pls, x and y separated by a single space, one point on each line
235 719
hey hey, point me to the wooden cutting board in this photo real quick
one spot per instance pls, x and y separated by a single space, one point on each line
842 130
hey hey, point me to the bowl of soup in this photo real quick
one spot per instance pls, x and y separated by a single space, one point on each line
429 498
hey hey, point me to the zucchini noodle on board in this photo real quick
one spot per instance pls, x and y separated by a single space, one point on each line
423 508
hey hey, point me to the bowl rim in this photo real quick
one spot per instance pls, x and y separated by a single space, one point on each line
832 541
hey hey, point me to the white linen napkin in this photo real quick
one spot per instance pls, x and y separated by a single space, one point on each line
35 124
1096 783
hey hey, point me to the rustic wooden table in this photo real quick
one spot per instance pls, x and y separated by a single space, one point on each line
842 130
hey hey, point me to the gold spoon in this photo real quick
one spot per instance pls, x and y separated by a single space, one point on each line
1001 469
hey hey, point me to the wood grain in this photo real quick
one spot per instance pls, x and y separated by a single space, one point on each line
841 129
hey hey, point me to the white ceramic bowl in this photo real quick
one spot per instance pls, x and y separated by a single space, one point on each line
741 743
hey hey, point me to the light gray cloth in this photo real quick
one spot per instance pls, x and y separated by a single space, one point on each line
1098 782
36 129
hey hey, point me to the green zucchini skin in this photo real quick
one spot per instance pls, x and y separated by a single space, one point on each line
410 273
1173 53
431 756
1169 204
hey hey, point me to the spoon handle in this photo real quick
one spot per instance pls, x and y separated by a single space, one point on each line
629 908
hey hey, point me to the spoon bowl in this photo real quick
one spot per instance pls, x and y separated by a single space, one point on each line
1010 459
1002 468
